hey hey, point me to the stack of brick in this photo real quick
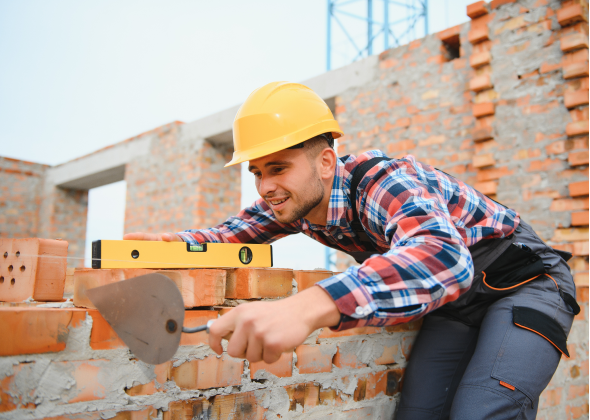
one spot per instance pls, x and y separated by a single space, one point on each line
60 361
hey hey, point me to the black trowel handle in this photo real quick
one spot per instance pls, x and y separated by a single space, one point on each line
199 328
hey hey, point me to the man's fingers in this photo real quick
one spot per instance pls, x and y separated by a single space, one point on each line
222 328
143 236
171 237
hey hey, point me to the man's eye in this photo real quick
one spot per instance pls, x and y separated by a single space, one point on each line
278 170
256 174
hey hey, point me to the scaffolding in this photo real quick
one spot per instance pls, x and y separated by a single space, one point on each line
361 26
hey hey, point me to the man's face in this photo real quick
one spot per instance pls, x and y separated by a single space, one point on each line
289 183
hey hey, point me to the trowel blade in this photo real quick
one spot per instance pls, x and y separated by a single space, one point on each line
146 312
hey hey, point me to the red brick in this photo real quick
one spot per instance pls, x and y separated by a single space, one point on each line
571 14
545 165
575 98
194 318
25 274
580 248
494 4
483 109
480 59
487 187
480 83
88 384
581 279
309 395
102 336
578 188
10 397
210 372
478 34
313 359
328 333
577 128
481 134
256 283
484 160
569 204
347 356
372 385
307 278
388 356
580 218
450 35
578 158
575 69
231 407
570 235
552 397
36 330
477 9
282 368
573 42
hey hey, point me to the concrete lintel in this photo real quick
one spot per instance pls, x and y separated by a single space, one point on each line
99 168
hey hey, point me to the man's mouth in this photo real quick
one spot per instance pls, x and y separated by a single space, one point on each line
277 203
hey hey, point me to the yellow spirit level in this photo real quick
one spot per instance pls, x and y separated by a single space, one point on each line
157 254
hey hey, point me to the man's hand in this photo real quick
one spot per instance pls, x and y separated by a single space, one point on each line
142 236
264 330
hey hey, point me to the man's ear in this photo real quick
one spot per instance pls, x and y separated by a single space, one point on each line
327 163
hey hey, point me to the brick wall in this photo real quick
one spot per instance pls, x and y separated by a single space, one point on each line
181 184
21 183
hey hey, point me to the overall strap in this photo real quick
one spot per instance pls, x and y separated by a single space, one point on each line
359 174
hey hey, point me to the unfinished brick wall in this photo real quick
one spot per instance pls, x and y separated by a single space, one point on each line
181 184
21 184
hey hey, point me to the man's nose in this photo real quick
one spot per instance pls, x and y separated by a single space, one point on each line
266 186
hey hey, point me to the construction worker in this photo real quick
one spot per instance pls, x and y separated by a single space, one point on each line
497 302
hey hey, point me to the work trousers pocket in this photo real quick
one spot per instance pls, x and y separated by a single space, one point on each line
513 268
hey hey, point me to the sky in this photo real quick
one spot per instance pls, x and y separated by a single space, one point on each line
78 76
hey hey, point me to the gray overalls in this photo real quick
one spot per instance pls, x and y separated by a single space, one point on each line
490 354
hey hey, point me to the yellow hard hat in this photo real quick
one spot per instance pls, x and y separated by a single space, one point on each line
277 116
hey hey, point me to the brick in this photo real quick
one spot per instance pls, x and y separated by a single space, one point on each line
578 158
477 9
480 59
303 397
494 4
578 188
572 99
484 160
487 187
88 384
210 372
328 333
569 204
581 279
575 69
580 248
483 109
102 335
314 358
388 356
307 278
478 34
573 42
256 283
372 385
480 83
199 287
481 134
36 330
282 368
162 373
25 274
552 397
231 407
10 396
347 355
451 35
571 13
576 128
570 234
69 284
580 218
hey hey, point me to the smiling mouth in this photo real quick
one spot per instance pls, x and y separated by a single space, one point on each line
277 202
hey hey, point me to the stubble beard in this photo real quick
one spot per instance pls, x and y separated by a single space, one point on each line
315 194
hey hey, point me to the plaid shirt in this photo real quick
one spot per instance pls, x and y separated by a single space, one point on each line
420 219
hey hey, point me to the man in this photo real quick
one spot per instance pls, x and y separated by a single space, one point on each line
498 301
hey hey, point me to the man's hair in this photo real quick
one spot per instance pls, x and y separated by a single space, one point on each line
316 144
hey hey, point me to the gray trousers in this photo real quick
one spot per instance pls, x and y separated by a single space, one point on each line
459 371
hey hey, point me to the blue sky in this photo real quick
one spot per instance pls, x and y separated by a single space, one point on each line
77 76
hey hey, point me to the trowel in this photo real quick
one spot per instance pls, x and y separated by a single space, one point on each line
147 313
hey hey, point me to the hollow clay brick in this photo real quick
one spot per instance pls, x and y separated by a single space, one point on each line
345 358
484 160
231 407
480 83
575 69
282 368
307 278
10 399
328 333
578 188
571 13
210 372
580 218
200 287
36 330
573 42
575 98
480 59
313 359
388 356
24 273
477 9
256 283
88 385
162 372
309 395
483 109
